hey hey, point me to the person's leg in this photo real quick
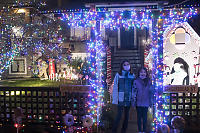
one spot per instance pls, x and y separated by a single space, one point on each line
145 110
117 120
139 115
126 117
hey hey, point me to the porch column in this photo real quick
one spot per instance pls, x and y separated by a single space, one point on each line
157 71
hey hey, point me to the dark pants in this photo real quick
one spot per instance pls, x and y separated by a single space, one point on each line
120 110
142 115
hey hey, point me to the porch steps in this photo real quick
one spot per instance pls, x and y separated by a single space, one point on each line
135 59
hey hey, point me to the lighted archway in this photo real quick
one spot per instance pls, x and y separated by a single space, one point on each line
127 19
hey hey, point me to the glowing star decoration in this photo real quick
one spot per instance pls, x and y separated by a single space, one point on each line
21 10
18 31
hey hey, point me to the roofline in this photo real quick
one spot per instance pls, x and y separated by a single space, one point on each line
127 4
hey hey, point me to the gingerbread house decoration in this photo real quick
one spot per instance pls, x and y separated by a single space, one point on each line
181 55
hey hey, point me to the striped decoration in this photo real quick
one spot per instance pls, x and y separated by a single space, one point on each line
108 52
146 63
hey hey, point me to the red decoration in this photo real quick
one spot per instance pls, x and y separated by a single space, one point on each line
108 80
51 69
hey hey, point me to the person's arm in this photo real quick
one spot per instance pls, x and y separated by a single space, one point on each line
115 90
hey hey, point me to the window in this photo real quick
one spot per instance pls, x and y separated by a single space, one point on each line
18 66
80 33
127 38
180 38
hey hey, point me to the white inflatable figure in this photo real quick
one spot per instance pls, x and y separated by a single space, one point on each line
166 75
42 69
56 76
69 73
59 76
179 74
74 76
51 77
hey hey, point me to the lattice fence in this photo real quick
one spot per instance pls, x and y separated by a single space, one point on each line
186 105
45 105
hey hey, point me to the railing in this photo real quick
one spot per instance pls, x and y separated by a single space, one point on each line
44 104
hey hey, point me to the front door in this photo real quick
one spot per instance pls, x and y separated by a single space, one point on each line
127 38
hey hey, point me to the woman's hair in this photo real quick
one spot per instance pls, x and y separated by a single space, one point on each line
147 79
185 68
121 66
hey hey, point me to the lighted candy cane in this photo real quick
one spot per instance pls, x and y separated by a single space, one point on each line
108 66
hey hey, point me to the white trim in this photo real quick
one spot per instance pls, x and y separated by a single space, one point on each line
127 4
119 39
135 36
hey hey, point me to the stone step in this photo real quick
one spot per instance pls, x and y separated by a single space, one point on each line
127 51
126 54
118 62
120 59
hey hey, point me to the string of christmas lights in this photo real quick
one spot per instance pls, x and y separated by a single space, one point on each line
176 17
128 19
110 19
24 37
95 56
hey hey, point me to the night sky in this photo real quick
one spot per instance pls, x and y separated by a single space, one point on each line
67 4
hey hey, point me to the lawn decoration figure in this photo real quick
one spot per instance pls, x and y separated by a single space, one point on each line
42 69
179 73
52 72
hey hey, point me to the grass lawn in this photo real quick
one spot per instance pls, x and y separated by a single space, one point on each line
33 82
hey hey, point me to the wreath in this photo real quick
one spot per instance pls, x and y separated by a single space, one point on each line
68 119
87 121
178 122
165 128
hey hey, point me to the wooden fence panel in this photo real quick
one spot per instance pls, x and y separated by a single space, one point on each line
45 105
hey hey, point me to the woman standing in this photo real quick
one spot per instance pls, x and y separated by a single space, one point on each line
143 95
122 94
